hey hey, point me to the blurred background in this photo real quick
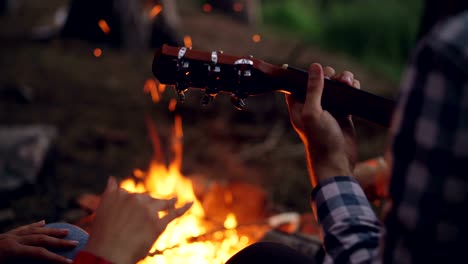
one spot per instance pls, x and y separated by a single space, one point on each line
77 95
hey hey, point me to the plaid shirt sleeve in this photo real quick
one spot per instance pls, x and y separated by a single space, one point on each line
350 228
429 186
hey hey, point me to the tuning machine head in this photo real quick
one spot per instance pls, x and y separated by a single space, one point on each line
244 69
183 74
213 81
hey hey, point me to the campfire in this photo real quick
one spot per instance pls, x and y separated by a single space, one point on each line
195 237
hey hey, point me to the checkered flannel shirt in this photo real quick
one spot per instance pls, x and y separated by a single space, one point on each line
428 222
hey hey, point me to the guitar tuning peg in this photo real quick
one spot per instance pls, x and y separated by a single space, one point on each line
183 72
244 67
214 76
237 102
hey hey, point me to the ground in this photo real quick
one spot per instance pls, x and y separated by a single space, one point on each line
100 110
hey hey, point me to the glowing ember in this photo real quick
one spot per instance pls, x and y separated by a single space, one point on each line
155 11
207 8
138 173
97 52
188 41
191 238
151 88
256 38
104 26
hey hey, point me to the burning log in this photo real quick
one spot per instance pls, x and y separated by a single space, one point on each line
247 202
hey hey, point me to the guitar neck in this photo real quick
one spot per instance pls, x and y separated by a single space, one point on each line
243 77
340 98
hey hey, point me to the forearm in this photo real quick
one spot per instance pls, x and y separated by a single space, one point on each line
350 228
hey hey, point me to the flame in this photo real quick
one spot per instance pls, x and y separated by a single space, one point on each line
230 222
256 38
97 52
188 41
151 88
187 239
104 26
155 11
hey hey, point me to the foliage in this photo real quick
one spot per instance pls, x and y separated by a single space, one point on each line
380 34
292 16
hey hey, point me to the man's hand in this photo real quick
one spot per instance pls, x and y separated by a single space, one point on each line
126 225
31 241
329 140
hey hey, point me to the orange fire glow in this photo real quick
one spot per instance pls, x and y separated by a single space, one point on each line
155 11
104 26
185 239
188 41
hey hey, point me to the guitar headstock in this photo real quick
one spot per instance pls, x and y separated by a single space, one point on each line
214 72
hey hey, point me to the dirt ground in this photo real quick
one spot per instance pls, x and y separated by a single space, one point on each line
99 108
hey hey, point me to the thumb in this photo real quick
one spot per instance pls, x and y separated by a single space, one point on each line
111 185
313 100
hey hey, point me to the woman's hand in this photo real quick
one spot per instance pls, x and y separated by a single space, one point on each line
126 225
329 139
30 242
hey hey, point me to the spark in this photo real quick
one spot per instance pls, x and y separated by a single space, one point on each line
256 38
188 41
155 11
104 26
97 52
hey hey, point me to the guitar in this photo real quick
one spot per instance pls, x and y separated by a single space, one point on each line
242 77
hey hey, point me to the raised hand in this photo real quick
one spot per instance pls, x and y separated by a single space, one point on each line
329 139
31 242
126 225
